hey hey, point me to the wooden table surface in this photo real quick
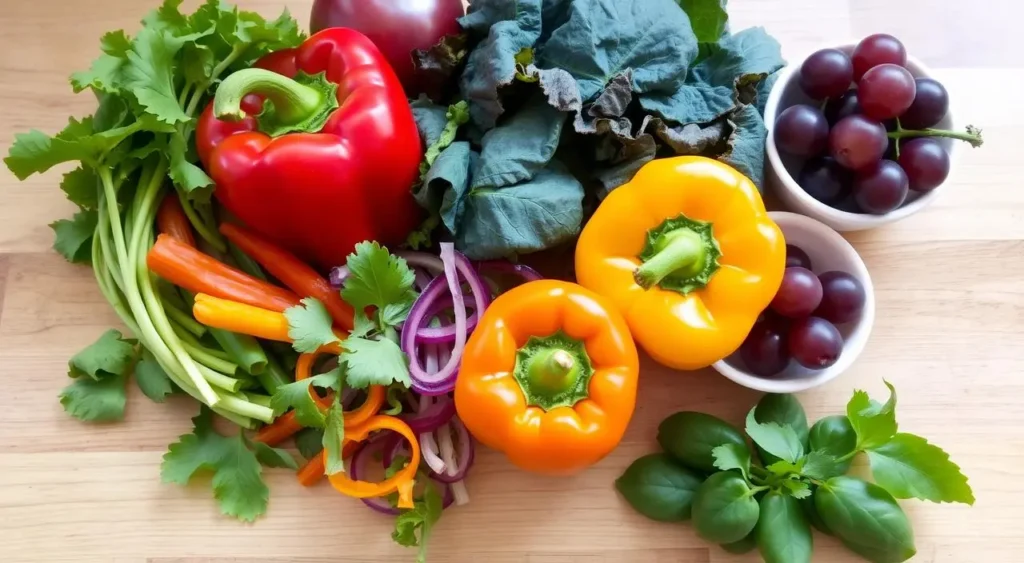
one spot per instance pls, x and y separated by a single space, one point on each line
950 313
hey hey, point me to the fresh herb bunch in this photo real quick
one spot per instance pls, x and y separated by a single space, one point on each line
796 479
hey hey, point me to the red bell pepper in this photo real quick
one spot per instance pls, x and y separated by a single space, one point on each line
315 148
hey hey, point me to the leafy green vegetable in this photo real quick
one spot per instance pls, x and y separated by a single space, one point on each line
745 545
420 519
707 17
691 437
297 396
110 356
835 436
866 518
375 362
783 533
784 410
796 488
875 424
237 476
733 456
309 326
909 467
73 237
811 512
309 442
659 488
272 457
334 434
822 466
92 400
152 379
724 508
379 279
780 441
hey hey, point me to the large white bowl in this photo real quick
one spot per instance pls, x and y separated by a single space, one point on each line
782 169
828 251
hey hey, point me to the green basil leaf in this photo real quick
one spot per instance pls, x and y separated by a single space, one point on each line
811 512
724 509
818 465
866 518
835 436
732 456
745 545
909 467
784 410
659 488
780 441
874 423
691 437
783 533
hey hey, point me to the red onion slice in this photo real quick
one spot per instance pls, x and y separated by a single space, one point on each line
456 469
422 259
338 275
392 445
432 417
446 332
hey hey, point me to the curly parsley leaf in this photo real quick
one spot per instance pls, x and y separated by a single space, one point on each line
420 519
237 475
152 379
374 362
73 237
910 467
309 326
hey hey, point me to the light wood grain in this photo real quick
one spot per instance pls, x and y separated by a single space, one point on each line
948 335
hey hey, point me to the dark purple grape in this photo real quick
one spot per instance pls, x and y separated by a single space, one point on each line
796 257
799 295
801 130
875 50
931 102
886 91
842 297
857 142
844 106
764 350
881 188
814 343
826 74
925 163
825 180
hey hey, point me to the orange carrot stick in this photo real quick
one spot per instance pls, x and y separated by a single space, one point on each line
171 220
294 273
189 268
240 318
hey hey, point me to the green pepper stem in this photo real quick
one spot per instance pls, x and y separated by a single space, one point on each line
553 371
293 102
680 251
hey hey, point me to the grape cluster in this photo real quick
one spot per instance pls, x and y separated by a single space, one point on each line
867 146
800 324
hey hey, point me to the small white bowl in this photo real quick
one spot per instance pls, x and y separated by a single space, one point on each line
782 169
828 251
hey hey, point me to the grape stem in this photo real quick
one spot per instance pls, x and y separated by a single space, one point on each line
972 135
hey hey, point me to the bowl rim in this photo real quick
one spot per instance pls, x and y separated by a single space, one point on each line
852 349
826 211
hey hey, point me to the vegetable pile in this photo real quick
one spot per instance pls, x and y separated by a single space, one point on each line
768 497
566 102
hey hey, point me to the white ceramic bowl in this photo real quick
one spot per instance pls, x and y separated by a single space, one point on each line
828 250
782 169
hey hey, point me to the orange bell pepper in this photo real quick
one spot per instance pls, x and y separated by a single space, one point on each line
549 377
401 482
687 252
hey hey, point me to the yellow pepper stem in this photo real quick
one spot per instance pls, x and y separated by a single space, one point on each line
680 252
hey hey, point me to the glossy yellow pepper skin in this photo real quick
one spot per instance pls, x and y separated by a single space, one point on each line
712 258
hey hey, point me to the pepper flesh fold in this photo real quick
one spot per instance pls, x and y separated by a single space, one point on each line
710 322
493 403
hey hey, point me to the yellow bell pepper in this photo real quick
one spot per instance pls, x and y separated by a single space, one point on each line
688 254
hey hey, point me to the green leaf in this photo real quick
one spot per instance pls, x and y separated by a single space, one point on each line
184 173
866 518
659 488
237 475
783 533
780 441
197 63
374 362
724 509
733 456
784 468
910 467
456 116
421 518
691 438
273 457
796 488
784 410
73 237
310 326
309 442
378 279
298 396
362 326
835 436
151 378
167 17
745 545
874 424
109 356
150 73
334 433
93 400
822 466
707 18
82 187
35 152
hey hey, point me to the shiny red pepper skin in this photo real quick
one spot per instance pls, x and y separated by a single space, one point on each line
318 194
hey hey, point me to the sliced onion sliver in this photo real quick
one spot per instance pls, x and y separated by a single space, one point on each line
422 259
391 445
444 380
456 471
432 417
338 275
446 332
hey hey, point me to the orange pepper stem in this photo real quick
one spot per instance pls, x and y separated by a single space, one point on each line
681 254
553 371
